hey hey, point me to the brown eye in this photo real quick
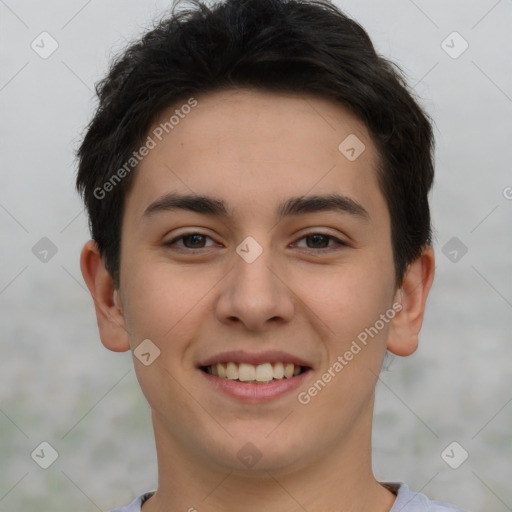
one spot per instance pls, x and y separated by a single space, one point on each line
317 241
190 241
320 241
194 241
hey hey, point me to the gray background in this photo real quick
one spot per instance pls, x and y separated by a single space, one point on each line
58 383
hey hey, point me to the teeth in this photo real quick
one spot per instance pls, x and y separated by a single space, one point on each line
232 371
245 372
264 372
278 371
288 370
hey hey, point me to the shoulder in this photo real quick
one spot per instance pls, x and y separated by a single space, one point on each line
136 504
410 501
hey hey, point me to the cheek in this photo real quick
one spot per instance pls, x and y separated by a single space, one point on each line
162 306
164 301
347 298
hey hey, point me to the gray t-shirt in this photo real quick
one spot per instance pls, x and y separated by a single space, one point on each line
406 501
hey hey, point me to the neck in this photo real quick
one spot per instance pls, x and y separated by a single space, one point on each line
340 480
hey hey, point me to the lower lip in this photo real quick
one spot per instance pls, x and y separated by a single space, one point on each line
256 392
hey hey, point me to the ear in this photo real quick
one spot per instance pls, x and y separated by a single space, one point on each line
107 303
406 325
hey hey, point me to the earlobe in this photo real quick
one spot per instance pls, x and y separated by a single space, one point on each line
107 303
412 296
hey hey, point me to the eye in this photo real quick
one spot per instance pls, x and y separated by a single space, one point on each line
189 241
320 241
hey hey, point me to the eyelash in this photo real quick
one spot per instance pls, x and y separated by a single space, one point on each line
172 243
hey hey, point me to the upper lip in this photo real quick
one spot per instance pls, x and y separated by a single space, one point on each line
255 358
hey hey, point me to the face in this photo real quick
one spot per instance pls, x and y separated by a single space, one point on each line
250 238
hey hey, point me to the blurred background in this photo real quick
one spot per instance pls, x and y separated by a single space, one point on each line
443 416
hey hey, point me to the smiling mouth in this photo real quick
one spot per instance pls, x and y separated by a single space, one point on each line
254 374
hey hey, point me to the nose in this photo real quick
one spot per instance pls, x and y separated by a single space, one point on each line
255 295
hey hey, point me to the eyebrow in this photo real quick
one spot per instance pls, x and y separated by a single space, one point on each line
215 207
317 203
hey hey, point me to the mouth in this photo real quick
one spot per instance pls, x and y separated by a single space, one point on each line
254 374
254 378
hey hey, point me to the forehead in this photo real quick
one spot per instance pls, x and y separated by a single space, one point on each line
256 147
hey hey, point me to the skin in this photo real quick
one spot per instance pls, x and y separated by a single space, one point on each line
254 150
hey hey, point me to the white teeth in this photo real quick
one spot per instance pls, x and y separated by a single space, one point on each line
246 372
232 371
264 372
278 371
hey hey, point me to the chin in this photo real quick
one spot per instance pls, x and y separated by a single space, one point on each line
258 454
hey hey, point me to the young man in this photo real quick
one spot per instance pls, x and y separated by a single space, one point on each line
256 178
